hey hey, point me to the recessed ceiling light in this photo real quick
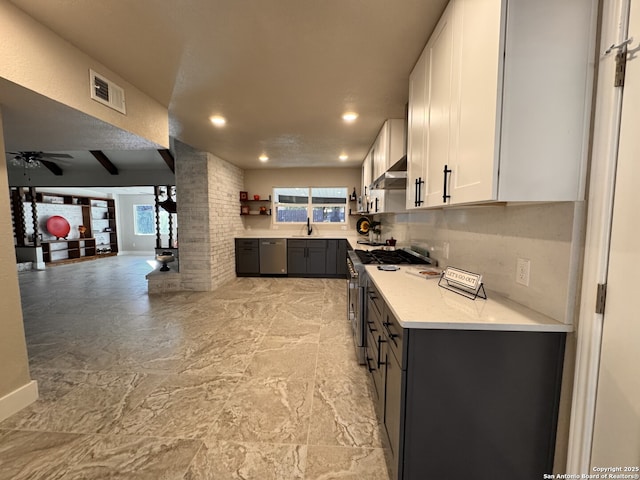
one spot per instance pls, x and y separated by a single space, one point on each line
349 116
343 157
218 120
263 158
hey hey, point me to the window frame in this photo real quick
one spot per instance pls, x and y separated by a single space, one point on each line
310 205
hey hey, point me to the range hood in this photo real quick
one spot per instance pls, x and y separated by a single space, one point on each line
395 178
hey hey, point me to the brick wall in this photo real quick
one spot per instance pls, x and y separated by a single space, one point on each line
208 220
225 183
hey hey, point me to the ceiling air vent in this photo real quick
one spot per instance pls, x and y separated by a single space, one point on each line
107 92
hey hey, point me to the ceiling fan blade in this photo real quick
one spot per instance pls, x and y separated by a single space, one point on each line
53 167
54 155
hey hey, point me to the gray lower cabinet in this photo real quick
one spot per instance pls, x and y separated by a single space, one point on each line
247 257
460 404
316 258
305 257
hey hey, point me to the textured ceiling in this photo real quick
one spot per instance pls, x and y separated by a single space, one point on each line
281 71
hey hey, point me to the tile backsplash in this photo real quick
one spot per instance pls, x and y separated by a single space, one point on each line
490 239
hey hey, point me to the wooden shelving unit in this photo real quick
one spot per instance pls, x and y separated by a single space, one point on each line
247 204
69 251
99 218
103 225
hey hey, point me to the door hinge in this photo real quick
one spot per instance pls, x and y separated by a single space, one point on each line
621 67
601 297
621 60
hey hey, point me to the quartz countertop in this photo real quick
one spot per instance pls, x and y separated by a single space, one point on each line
420 303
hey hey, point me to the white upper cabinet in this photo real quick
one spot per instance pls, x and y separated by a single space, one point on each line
517 75
440 110
417 131
387 149
379 151
430 116
367 166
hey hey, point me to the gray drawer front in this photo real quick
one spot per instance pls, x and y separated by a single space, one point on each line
248 242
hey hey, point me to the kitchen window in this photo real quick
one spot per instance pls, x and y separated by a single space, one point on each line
319 204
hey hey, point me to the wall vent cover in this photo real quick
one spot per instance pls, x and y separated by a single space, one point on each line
107 92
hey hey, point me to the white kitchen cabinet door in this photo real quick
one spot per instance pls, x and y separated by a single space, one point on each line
387 150
429 135
417 131
477 102
525 75
395 141
381 151
367 166
439 107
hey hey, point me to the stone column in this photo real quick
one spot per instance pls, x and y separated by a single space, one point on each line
194 242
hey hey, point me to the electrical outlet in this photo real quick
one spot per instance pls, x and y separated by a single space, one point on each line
445 250
523 267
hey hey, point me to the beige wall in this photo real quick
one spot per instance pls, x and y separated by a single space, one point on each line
14 365
36 58
263 181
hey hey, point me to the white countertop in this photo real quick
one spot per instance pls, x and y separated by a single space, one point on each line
420 303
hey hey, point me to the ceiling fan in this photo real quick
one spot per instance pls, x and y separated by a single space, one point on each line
37 159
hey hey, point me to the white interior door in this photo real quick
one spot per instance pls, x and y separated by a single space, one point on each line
616 440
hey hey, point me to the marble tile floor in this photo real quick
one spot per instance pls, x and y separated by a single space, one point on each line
257 380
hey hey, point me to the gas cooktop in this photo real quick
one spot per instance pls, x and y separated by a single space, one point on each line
389 257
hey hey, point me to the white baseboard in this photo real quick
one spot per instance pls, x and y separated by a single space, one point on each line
18 399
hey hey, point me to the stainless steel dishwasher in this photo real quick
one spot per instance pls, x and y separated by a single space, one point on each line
273 256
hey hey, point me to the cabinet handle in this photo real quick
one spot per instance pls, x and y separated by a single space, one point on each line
418 192
369 365
376 204
445 196
369 322
380 342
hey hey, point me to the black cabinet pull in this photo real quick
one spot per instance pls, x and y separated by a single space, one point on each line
445 196
376 204
380 342
369 365
418 192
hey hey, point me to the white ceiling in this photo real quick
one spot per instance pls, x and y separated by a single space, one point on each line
281 71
